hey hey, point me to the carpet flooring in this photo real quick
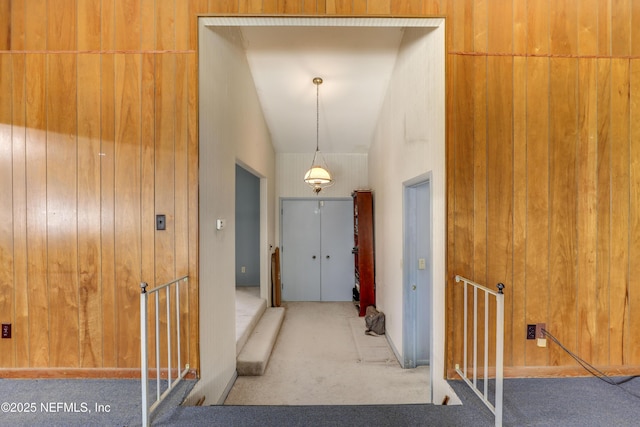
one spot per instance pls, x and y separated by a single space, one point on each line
323 357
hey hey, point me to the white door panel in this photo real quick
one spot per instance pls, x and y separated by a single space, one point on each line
336 240
300 274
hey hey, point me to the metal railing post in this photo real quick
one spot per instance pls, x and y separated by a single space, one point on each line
499 352
143 355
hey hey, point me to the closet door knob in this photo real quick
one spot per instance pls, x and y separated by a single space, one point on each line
314 257
328 257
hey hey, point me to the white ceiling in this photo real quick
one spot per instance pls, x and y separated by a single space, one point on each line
356 65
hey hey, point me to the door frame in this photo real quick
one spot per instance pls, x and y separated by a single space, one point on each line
409 318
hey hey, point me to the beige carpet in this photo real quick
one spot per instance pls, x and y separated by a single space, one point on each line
323 357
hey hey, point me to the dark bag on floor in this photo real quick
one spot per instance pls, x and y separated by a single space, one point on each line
374 320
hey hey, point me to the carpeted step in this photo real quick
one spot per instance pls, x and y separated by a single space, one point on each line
254 357
248 313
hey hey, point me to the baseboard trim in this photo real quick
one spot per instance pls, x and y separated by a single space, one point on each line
553 371
227 390
84 373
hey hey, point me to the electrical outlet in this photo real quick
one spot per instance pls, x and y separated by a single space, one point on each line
6 330
531 332
243 269
539 334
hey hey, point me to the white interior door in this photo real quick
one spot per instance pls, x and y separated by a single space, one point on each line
336 242
317 238
300 252
417 275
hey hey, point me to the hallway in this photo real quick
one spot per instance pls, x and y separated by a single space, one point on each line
323 357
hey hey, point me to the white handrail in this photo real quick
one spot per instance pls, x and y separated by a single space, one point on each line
484 396
144 362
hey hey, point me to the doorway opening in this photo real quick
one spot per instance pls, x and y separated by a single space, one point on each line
223 76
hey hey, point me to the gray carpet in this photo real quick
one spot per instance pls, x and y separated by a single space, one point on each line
566 402
91 402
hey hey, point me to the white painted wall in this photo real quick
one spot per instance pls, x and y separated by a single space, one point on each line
232 129
410 142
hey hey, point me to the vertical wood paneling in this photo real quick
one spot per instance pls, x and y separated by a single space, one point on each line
520 27
359 7
108 24
147 186
376 7
62 233
181 198
255 6
604 27
17 25
500 184
127 208
518 288
36 142
601 356
61 24
20 265
128 23
148 25
588 27
165 114
268 6
587 207
463 189
537 243
341 7
89 25
89 257
182 25
621 27
192 190
7 290
36 32
200 6
562 193
563 26
230 6
165 25
406 7
634 212
619 255
463 28
107 214
5 25
538 27
480 26
480 155
500 26
635 24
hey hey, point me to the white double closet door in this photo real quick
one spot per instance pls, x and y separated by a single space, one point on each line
317 239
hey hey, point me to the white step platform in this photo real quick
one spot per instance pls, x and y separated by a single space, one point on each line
255 354
257 328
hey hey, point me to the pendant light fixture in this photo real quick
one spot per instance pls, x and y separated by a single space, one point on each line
318 176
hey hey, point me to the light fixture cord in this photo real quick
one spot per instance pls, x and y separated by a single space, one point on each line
317 116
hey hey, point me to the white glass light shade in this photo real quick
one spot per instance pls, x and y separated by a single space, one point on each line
317 175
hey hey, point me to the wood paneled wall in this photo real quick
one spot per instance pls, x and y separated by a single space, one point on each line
543 175
98 133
